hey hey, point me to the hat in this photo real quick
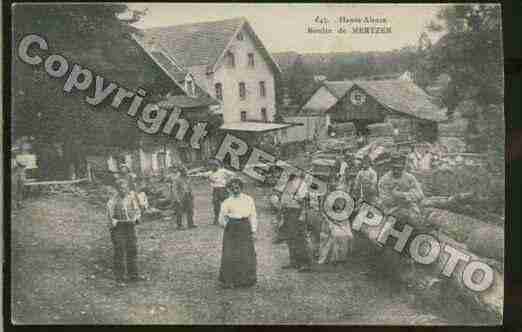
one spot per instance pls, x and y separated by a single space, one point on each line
397 159
214 162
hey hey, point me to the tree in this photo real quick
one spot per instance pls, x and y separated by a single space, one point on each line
470 52
300 82
40 106
91 35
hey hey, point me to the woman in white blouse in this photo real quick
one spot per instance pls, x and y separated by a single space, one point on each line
238 259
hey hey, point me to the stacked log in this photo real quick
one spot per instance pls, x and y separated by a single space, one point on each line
429 276
452 135
338 144
404 128
450 181
484 239
345 129
380 131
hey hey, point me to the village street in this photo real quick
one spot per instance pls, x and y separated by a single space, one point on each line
62 274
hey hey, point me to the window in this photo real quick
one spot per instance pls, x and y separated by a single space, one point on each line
243 115
264 116
251 59
262 89
240 36
242 90
231 59
219 91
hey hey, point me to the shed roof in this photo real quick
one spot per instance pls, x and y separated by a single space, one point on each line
253 126
184 101
338 88
405 97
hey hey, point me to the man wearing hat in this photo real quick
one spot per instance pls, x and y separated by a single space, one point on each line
400 193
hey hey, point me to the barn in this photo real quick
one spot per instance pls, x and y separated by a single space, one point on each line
400 104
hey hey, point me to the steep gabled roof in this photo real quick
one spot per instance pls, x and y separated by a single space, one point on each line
338 88
403 96
177 74
204 43
397 95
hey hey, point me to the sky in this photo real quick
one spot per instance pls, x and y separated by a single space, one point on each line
283 27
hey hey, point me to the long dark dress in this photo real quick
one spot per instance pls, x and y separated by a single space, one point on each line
238 260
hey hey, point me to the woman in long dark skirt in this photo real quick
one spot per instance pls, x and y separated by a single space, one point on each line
238 259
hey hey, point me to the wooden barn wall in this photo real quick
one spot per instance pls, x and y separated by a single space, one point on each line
345 111
313 127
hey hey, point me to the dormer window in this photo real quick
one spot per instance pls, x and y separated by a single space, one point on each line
240 36
189 86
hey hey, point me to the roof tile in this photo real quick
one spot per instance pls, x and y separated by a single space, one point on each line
197 43
403 96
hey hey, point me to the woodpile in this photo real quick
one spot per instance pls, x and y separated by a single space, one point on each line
430 277
448 181
484 239
453 144
452 135
456 128
380 130
338 144
404 128
345 129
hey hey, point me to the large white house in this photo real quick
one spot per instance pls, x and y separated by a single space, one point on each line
226 59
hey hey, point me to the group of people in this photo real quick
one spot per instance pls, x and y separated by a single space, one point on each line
232 209
310 235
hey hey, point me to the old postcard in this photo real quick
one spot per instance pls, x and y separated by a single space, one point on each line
214 163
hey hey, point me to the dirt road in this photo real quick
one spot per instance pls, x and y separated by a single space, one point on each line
61 274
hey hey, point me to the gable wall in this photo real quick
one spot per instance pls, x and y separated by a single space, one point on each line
321 100
230 78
